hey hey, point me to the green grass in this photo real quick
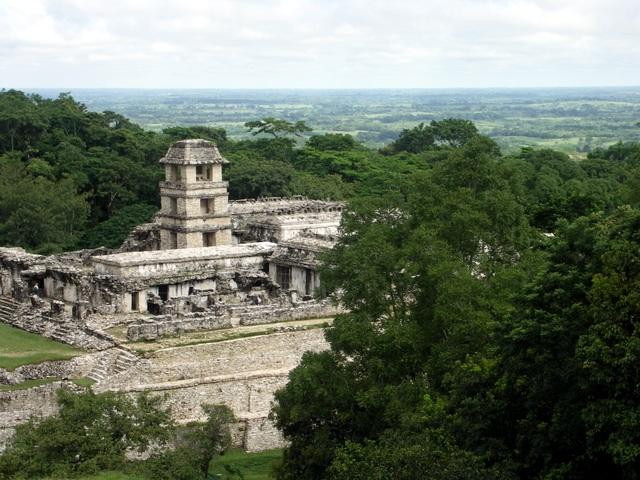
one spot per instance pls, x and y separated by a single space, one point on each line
83 382
18 347
28 384
253 466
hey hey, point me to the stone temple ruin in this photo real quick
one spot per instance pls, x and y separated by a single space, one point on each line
214 301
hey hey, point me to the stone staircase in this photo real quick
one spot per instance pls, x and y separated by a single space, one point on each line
112 364
63 334
8 307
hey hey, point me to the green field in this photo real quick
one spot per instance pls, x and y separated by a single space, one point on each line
573 120
252 466
18 347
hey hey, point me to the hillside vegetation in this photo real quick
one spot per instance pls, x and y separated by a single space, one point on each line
493 298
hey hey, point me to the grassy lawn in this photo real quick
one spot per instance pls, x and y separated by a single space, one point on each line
253 466
28 384
18 347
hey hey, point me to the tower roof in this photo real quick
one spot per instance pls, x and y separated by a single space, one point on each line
193 152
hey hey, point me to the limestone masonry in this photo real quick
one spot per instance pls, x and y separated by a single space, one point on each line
213 302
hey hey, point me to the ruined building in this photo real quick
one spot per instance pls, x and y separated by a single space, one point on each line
215 301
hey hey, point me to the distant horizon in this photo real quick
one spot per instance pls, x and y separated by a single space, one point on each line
558 87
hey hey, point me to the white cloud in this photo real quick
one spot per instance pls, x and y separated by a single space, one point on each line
318 43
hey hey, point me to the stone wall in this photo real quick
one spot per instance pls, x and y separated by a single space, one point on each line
257 315
18 406
152 328
242 373
167 263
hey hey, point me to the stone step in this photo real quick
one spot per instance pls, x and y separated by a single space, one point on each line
126 353
62 334
12 307
8 300
123 362
98 373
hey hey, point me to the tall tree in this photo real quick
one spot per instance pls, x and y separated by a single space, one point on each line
277 127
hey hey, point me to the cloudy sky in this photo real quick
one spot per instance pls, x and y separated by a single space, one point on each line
318 44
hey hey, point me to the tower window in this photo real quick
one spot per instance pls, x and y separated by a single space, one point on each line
135 301
163 292
203 173
206 205
283 276
308 281
209 239
173 205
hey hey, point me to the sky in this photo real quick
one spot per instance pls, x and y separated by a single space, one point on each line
318 44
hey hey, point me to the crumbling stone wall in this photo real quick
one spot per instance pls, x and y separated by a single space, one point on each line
242 373
151 328
18 406
142 238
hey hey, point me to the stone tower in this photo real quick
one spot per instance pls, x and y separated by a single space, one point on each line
194 198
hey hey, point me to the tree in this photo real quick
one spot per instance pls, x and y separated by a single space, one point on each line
112 232
36 212
454 132
20 120
277 127
408 457
216 135
91 432
251 178
450 132
332 141
414 140
194 447
432 263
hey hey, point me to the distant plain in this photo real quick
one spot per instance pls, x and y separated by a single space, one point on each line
573 120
